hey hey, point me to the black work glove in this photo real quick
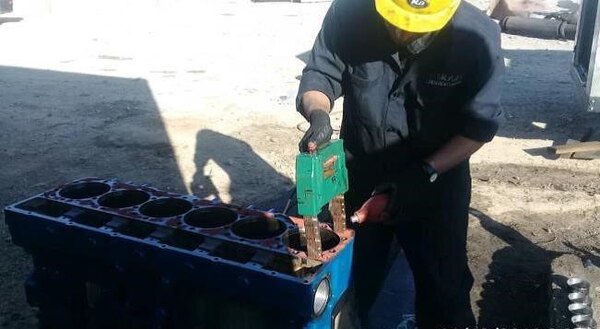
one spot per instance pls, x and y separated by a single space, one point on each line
405 188
319 132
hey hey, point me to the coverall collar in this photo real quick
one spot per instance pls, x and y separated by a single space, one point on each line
420 44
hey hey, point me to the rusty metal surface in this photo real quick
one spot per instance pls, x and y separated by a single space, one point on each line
326 255
313 237
338 213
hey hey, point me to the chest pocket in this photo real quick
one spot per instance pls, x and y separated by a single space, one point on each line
438 91
366 93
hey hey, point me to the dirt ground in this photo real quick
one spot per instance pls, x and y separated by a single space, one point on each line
198 97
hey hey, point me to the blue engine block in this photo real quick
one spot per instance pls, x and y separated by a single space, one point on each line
109 254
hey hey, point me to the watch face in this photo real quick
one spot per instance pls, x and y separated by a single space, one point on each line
431 173
433 177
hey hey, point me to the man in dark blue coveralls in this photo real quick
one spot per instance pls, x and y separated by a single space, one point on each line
420 80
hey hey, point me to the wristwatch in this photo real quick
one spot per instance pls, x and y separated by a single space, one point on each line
430 172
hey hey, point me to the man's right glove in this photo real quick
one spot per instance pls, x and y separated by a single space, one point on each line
318 133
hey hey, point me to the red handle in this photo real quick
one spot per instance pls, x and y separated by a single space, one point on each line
372 211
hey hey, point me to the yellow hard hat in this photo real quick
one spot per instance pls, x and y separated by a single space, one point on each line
419 16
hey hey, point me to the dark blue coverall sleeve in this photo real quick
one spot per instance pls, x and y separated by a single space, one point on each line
324 69
483 112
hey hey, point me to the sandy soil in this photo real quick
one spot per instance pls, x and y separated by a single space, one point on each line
198 97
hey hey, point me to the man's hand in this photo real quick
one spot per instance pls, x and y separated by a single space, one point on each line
318 133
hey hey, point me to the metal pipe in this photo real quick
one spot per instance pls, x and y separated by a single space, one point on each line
538 28
580 297
580 309
579 285
583 321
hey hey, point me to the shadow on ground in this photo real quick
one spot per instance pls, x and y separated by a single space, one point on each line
253 181
4 20
517 289
56 127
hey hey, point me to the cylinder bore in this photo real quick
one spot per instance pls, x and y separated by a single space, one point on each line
123 199
210 217
329 240
167 207
84 190
258 228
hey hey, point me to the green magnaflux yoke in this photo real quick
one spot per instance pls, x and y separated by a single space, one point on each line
321 178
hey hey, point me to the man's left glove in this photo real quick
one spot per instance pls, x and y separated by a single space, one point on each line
318 133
